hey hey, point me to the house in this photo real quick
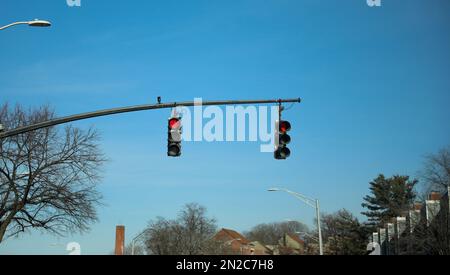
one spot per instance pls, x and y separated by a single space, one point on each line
236 243
291 244
257 248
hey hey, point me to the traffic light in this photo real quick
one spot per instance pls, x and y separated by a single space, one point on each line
174 137
282 139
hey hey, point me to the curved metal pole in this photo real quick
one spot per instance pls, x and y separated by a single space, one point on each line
133 242
308 201
106 112
13 24
311 202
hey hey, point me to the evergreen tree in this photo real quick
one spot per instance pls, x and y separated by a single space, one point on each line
390 198
344 234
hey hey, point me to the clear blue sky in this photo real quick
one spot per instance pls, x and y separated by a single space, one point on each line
374 82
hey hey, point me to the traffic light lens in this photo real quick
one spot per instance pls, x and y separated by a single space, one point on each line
174 151
285 152
174 123
282 153
285 126
285 139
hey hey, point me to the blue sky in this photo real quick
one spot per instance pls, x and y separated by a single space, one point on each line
374 82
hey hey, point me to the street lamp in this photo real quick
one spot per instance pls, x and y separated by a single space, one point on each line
33 23
311 202
133 242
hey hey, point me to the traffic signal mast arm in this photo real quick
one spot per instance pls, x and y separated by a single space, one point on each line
67 119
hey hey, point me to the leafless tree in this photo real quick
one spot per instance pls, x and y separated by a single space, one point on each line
195 227
271 233
139 249
190 234
436 171
48 178
433 237
161 238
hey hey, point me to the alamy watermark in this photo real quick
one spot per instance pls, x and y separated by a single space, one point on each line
373 3
73 3
229 124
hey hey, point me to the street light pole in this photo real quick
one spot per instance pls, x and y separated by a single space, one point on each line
318 227
312 203
133 242
34 23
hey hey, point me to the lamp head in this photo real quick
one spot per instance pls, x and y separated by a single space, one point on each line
39 23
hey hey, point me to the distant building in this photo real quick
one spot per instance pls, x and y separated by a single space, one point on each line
257 248
421 230
237 244
291 244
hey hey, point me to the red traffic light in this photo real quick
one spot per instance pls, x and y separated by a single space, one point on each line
285 126
174 123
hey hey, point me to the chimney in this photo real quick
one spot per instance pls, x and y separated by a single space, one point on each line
434 196
120 240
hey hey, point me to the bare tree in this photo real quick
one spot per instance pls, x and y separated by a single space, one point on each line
436 171
48 178
196 228
139 249
271 233
162 237
190 234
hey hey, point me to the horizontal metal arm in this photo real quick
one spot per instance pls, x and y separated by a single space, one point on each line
107 112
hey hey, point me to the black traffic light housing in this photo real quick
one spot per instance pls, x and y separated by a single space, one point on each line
282 139
174 137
